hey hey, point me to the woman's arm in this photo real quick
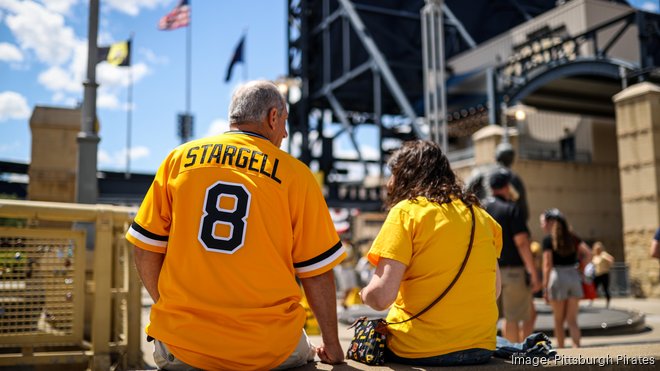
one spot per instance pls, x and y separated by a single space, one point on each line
381 291
608 257
584 252
547 267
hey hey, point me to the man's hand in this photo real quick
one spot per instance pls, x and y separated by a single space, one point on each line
320 292
535 282
330 354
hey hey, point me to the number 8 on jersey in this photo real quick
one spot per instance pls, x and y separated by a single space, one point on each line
215 214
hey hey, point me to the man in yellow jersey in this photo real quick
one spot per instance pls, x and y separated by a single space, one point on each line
227 225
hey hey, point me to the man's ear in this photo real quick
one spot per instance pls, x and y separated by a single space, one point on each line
272 117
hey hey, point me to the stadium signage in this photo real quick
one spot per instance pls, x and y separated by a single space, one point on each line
542 47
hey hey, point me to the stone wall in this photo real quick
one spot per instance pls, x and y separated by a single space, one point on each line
638 137
54 154
587 193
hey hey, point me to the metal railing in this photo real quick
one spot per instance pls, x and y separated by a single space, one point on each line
61 301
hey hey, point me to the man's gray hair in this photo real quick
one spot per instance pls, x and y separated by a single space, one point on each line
252 101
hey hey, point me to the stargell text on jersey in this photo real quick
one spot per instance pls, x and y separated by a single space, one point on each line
237 157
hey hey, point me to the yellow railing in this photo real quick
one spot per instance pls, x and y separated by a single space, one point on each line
62 301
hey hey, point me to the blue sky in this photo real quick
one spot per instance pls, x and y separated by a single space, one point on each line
43 61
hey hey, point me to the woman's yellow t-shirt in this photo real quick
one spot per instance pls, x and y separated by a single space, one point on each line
432 240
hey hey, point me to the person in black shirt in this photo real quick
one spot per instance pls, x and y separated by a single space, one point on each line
504 155
562 251
515 261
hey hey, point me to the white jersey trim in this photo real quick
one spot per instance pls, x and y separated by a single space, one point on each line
149 241
323 262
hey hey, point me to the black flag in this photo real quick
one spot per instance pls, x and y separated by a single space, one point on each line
236 58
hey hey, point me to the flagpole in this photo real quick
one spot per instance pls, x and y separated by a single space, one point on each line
129 115
245 66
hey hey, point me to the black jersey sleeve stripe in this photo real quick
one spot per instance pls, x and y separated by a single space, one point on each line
320 257
146 233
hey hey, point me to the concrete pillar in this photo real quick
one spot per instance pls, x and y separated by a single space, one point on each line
54 154
486 140
638 137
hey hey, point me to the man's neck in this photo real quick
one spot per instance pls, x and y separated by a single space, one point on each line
501 195
249 127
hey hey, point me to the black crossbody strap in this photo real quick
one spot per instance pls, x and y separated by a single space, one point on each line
467 255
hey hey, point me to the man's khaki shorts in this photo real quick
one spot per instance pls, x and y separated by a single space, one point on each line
516 297
303 353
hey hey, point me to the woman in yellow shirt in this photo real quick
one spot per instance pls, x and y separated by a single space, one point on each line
602 262
417 254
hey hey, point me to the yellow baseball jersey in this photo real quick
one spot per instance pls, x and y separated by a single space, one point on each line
237 220
431 240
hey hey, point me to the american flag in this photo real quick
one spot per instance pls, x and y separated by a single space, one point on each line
177 18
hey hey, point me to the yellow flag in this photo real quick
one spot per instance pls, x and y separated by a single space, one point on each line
117 54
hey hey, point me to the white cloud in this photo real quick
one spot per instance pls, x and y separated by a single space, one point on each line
10 148
103 157
13 106
111 76
113 81
40 30
133 7
10 53
218 126
16 178
107 101
649 6
58 79
65 100
152 57
60 6
118 158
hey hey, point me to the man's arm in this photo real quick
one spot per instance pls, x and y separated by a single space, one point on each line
523 245
149 264
322 298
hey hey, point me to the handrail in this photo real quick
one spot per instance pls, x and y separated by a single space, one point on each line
108 223
61 211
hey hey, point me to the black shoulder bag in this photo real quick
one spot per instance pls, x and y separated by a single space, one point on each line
370 336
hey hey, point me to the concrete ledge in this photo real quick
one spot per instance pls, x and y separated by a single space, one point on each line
626 357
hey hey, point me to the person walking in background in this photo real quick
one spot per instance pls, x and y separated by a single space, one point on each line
504 155
228 224
477 183
417 254
602 262
562 281
655 245
519 276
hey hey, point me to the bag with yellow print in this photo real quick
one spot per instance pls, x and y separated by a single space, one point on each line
369 341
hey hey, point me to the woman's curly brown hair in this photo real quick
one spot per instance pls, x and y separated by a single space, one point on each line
419 168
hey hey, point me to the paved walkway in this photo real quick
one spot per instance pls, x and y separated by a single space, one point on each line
615 351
